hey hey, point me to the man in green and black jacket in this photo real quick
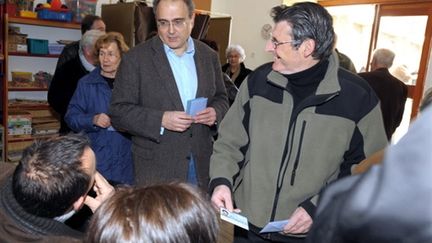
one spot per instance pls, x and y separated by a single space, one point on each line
296 125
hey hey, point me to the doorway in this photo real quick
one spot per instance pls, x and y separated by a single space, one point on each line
404 28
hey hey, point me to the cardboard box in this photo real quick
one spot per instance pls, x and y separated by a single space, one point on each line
22 76
12 47
17 38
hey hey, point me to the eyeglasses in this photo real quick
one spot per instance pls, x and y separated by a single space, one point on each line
176 23
277 43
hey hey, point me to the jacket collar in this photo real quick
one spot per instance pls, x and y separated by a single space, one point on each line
329 85
28 222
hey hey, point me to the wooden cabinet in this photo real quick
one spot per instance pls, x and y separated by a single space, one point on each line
29 100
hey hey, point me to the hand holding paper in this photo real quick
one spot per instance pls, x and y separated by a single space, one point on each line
234 218
196 105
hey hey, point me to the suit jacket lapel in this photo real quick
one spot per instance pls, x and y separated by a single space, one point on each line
199 63
167 77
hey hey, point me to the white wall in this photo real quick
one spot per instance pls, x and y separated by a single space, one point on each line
248 16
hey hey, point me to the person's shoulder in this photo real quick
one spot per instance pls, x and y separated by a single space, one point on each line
258 78
143 48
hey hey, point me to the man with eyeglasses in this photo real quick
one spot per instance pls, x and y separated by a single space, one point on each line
297 124
153 85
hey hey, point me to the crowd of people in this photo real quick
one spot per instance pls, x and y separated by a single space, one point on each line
288 142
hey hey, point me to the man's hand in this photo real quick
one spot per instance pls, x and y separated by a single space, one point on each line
299 223
221 198
103 191
177 121
102 120
206 116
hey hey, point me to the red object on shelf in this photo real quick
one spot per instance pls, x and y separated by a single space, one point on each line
56 4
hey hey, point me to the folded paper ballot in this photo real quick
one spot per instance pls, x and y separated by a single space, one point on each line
234 218
274 226
196 105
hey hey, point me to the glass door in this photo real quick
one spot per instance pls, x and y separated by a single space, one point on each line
403 29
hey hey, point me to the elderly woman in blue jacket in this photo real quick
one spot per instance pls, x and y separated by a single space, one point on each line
88 108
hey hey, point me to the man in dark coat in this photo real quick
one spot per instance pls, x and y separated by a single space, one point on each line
48 185
391 203
391 91
66 76
153 85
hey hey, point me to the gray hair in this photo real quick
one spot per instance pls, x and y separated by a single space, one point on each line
189 3
89 39
308 21
383 57
238 49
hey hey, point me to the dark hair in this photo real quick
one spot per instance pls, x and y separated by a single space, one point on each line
308 21
165 213
87 22
189 3
49 177
108 38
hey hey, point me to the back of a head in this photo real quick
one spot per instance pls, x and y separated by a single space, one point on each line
308 20
87 22
89 39
49 177
166 213
383 58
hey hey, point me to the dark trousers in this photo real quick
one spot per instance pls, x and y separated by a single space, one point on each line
244 236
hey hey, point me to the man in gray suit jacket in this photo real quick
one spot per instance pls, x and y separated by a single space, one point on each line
154 82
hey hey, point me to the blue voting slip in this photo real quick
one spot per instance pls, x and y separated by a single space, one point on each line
196 105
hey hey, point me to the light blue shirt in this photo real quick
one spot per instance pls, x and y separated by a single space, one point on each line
184 70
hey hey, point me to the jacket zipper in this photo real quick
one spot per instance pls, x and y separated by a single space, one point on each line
284 166
293 173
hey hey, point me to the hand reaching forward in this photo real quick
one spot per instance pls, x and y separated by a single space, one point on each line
299 222
221 198
103 191
177 121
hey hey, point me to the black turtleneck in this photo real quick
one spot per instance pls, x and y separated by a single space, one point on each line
110 81
305 83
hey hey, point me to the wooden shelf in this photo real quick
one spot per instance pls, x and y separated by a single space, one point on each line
25 54
47 23
25 138
28 107
26 89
